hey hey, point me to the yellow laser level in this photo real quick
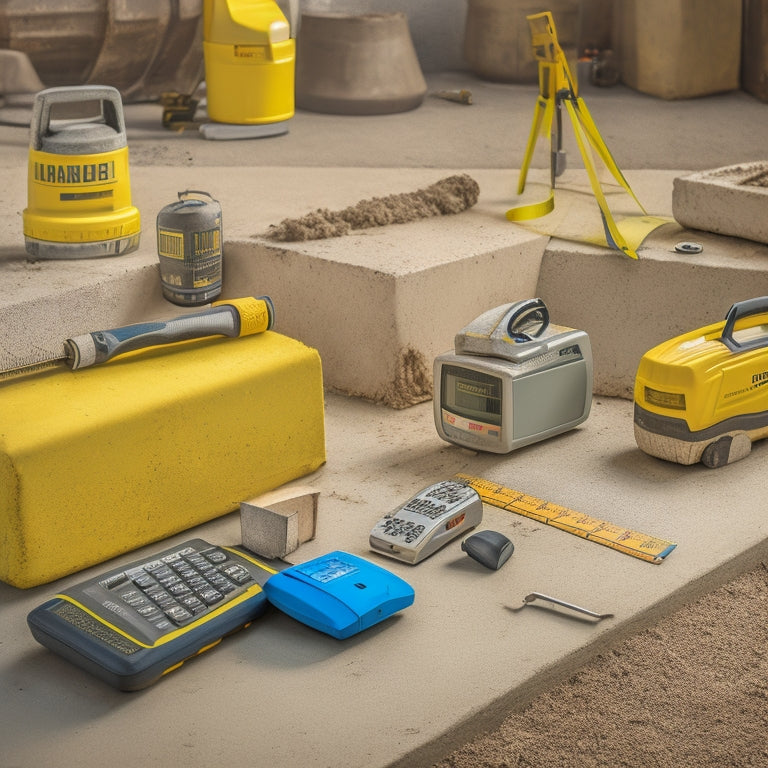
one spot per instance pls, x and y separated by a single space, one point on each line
557 86
703 395
78 186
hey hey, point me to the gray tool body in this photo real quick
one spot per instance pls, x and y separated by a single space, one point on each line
427 521
512 379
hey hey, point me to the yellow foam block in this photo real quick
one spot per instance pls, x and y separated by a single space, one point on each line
96 462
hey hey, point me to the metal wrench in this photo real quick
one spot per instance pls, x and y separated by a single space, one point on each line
538 596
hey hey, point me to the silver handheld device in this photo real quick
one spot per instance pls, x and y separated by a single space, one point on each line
512 379
427 521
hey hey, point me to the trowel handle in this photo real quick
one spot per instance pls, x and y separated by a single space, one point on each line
111 107
738 311
238 317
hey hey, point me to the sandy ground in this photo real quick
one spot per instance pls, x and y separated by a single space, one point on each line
691 691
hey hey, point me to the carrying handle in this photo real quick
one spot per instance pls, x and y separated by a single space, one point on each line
527 320
111 107
196 194
738 311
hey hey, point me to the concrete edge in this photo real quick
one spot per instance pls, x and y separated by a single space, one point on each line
493 715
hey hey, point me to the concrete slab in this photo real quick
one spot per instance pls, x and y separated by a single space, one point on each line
280 694
379 305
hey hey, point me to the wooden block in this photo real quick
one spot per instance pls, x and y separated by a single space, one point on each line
277 523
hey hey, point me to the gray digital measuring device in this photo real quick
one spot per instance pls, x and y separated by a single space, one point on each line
512 379
427 522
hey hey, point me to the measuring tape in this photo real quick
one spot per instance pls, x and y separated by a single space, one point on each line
647 548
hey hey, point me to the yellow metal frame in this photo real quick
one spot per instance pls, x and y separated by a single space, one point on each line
557 87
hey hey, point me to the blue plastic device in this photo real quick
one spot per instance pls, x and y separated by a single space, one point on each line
338 593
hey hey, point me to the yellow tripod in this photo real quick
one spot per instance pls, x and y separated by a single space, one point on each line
557 87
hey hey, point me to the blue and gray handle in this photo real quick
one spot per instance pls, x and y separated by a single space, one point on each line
236 317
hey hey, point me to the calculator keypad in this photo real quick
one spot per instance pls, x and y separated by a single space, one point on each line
178 587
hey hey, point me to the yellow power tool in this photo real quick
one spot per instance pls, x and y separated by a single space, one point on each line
703 396
249 67
79 189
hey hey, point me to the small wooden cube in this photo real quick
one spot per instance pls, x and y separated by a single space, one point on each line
276 523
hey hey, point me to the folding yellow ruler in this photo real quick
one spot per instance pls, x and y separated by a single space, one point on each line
557 87
629 542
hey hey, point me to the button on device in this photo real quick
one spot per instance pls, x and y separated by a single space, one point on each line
144 581
210 596
133 597
178 614
237 573
193 604
179 589
216 556
114 581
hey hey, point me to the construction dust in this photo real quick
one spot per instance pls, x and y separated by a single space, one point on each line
412 383
452 194
750 175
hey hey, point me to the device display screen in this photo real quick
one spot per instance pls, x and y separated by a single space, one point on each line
472 394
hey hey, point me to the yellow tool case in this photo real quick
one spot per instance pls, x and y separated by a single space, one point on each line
703 396
99 461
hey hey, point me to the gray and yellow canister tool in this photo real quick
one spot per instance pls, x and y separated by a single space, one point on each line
79 190
189 243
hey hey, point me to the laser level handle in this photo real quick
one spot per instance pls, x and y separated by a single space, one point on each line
738 311
527 319
111 106
241 317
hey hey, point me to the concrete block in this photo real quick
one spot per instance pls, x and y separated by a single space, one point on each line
378 328
679 49
729 201
629 306
277 523
379 306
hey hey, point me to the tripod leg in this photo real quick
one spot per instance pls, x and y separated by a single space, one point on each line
542 122
612 235
584 117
